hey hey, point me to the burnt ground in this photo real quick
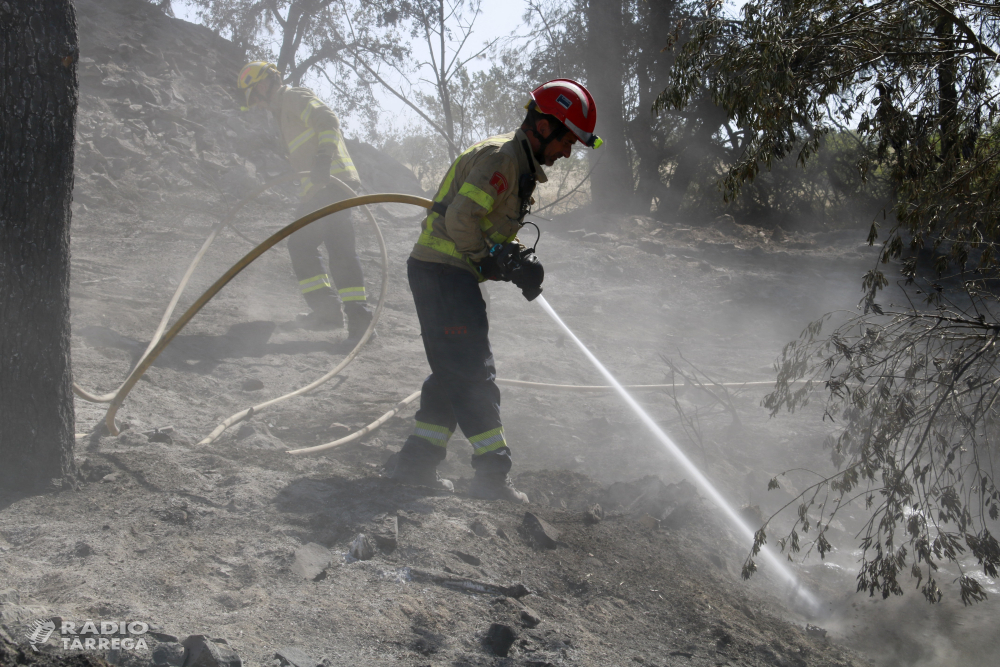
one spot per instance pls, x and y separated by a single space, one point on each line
216 539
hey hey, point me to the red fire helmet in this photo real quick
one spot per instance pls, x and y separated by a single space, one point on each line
572 104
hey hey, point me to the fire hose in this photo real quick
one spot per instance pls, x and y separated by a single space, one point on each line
158 343
216 228
216 287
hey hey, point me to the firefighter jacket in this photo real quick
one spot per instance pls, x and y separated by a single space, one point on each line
482 193
309 127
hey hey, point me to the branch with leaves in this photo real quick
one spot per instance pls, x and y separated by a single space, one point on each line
916 393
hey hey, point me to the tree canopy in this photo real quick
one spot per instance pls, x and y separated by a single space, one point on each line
913 80
914 389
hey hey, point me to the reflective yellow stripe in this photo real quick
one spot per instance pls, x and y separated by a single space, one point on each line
304 116
441 245
314 283
445 186
328 137
432 433
487 442
342 164
297 142
352 294
486 225
306 186
475 194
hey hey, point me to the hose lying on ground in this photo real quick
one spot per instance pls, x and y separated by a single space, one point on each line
147 361
243 414
216 228
360 433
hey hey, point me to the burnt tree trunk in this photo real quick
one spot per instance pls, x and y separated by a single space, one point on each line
38 99
611 184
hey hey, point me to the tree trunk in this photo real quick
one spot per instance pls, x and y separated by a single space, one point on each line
947 91
38 98
611 184
653 64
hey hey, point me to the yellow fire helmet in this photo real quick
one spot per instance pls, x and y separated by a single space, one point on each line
253 73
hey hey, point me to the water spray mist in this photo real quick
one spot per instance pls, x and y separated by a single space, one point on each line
681 458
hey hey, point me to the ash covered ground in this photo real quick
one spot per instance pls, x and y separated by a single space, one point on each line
239 541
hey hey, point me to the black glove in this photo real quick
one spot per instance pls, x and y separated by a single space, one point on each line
490 269
528 275
320 174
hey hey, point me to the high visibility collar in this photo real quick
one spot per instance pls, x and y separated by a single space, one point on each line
525 160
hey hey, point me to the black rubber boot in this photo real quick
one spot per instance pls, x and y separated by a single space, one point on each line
358 319
325 315
419 473
496 486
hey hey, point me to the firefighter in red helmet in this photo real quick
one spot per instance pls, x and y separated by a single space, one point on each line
470 236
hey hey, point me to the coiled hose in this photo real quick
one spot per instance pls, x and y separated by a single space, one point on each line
162 343
216 228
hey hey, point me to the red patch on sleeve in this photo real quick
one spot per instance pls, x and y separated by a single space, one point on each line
498 182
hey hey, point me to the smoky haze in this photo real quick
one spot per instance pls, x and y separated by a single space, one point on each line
664 281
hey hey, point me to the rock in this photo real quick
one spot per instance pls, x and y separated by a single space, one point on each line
467 558
162 436
163 636
169 653
815 631
83 550
362 548
499 639
386 532
257 435
778 235
200 651
480 528
539 531
252 384
529 618
294 657
132 438
311 561
176 515
727 225
649 523
594 515
95 472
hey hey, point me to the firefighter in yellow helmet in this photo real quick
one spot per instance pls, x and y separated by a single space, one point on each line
311 133
470 236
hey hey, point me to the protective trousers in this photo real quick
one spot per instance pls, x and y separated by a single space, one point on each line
337 233
460 389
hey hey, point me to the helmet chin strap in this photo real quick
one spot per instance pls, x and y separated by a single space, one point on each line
542 143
